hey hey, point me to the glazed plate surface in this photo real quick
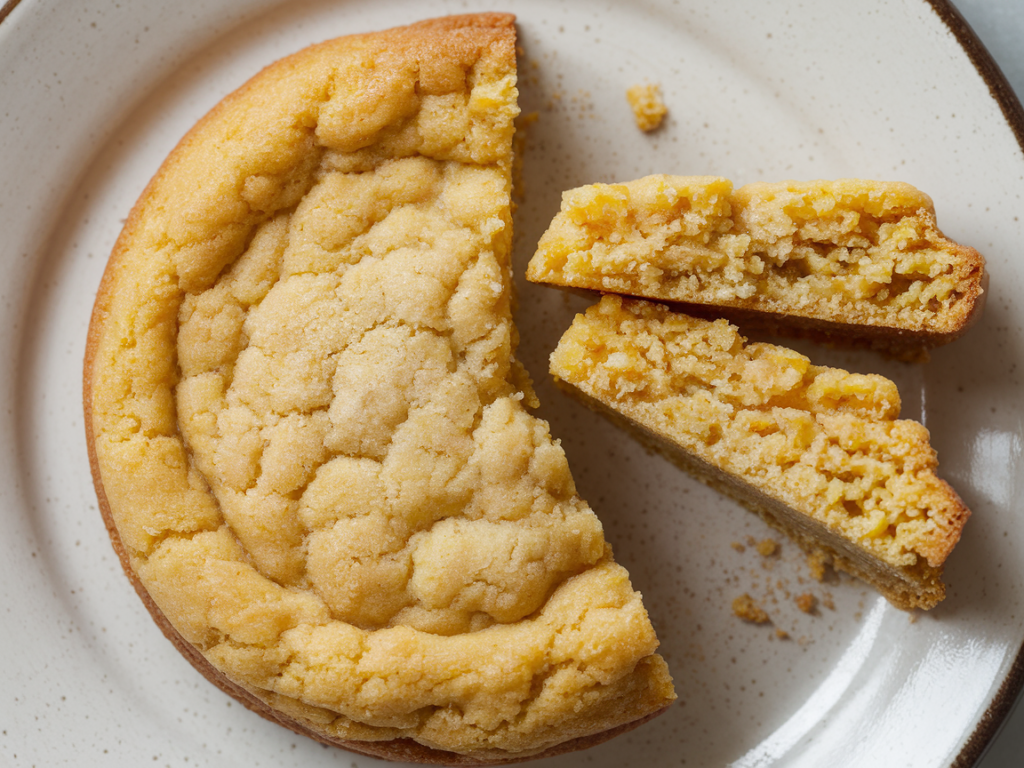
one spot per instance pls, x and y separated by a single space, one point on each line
93 98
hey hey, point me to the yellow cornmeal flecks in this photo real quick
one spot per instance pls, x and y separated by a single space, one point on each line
807 602
823 441
817 562
311 428
767 547
745 607
846 251
648 108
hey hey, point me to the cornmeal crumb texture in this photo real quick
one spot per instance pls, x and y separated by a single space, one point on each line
746 608
849 251
822 441
310 426
648 108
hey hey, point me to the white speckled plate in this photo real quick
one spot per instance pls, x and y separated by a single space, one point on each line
94 95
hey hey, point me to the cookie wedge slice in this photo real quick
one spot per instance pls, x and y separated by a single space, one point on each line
853 260
818 452
309 434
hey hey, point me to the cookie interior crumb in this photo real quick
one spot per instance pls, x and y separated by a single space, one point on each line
848 254
819 452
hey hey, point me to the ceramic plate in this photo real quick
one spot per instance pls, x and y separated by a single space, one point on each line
93 96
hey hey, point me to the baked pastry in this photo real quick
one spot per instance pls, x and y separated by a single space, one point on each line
309 434
818 452
860 260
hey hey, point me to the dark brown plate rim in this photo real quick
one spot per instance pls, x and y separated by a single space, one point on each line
1002 703
6 8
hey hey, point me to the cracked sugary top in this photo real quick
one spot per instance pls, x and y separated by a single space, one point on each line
309 429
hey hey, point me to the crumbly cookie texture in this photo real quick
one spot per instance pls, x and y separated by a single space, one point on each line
307 424
849 257
820 452
746 608
648 108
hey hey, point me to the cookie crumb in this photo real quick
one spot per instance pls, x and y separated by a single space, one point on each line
806 602
648 108
767 547
738 547
782 634
745 608
817 562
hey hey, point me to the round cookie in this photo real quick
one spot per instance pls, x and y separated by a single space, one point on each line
311 439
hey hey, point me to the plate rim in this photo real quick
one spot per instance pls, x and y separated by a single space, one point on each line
1002 92
1009 103
6 8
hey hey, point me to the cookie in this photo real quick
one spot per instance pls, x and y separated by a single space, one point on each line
311 439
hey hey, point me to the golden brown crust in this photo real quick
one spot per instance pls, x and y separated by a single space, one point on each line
215 221
396 750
